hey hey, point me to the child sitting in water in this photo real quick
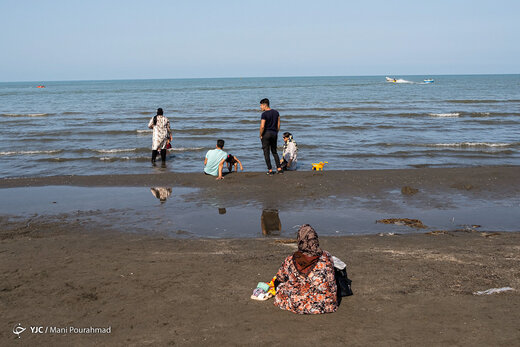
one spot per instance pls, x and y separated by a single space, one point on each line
231 161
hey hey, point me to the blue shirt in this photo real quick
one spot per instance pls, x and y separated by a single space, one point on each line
214 157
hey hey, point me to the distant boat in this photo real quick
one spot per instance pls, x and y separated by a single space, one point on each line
428 80
388 79
40 86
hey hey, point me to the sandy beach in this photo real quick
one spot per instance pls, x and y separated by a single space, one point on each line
152 290
409 290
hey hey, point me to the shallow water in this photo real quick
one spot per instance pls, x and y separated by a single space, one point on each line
181 214
100 127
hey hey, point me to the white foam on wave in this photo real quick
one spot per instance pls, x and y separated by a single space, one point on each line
184 149
116 150
113 158
470 144
144 131
30 152
24 115
446 115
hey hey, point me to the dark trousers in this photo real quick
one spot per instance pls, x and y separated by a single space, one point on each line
269 140
163 155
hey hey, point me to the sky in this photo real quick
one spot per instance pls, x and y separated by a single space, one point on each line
111 39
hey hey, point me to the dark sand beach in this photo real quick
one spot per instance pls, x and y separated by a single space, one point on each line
151 290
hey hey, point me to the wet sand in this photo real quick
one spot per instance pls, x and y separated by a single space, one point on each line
409 289
273 191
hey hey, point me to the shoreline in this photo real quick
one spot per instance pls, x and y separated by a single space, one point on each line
338 202
503 179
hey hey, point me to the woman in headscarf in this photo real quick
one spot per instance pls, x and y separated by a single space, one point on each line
308 284
289 159
161 134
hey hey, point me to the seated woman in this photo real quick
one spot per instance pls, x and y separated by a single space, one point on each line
289 159
308 284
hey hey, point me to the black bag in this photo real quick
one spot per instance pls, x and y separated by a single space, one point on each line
343 282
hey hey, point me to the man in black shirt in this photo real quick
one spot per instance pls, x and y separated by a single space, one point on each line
269 127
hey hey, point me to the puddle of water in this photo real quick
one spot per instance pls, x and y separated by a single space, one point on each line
179 212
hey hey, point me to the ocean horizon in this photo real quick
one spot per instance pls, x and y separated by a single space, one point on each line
260 77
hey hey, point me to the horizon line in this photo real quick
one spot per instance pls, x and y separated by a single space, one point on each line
240 77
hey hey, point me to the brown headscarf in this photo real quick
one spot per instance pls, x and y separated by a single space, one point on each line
308 241
309 250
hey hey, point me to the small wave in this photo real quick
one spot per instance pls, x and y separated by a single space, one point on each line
304 116
440 145
446 115
114 158
301 145
249 110
207 131
478 101
404 115
98 132
26 114
348 127
187 149
31 152
337 109
198 131
470 144
386 126
248 121
115 150
144 131
493 122
76 159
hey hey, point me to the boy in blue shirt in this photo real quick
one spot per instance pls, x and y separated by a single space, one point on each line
214 161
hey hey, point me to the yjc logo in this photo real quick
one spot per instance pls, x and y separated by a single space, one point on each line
18 329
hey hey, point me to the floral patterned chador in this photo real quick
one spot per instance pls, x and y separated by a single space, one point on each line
313 293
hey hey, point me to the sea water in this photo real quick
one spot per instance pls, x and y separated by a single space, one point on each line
100 127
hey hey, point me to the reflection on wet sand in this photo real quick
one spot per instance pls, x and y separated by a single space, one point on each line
161 193
270 222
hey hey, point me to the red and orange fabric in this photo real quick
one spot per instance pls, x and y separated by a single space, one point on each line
308 283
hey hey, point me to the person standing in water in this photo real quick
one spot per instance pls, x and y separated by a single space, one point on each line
269 127
161 134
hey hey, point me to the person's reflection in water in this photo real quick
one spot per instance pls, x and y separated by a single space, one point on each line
161 193
270 222
221 210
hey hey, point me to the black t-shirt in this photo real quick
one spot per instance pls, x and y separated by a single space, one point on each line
271 120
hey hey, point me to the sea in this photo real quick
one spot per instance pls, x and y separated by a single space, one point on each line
100 127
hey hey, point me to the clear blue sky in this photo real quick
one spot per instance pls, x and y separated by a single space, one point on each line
112 39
